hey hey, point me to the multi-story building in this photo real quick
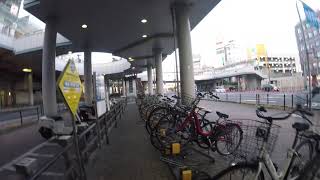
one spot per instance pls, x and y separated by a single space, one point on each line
312 48
278 66
228 52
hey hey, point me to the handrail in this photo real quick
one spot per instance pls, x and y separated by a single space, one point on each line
46 166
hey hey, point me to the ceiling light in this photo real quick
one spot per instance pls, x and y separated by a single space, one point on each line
144 36
84 26
27 70
131 59
69 52
133 67
144 21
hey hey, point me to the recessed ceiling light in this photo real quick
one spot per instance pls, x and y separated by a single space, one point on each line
133 67
144 36
27 70
84 26
69 52
144 21
131 59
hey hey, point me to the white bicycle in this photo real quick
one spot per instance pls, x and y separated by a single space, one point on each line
298 155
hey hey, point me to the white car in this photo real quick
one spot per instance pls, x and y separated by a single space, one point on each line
220 90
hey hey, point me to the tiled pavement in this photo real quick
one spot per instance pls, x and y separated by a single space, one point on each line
130 156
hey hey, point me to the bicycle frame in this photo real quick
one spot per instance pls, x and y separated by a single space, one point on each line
268 163
192 116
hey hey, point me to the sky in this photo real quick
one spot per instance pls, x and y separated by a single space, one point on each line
249 22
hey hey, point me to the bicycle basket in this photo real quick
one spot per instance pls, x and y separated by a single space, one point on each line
255 134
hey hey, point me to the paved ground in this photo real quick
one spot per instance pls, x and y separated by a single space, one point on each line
130 155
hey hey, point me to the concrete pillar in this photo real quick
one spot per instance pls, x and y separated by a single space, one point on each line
123 87
185 50
49 95
88 95
30 89
107 89
159 76
150 80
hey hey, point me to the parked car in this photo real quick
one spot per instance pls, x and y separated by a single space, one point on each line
220 90
270 87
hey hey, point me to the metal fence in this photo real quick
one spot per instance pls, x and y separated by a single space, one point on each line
89 138
284 100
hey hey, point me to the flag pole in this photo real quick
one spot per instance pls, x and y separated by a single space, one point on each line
307 59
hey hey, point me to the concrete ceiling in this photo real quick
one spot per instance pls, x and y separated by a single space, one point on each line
114 25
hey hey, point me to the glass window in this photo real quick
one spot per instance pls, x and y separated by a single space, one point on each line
315 32
317 43
299 31
308 25
310 35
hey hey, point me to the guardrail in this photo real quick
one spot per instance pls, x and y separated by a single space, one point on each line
25 112
284 100
89 140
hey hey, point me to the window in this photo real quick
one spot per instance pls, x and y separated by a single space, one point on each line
299 31
317 43
308 25
310 35
130 86
315 32
318 54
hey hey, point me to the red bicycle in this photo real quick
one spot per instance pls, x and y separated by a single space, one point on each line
222 136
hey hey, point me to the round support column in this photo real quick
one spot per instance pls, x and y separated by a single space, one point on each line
185 50
30 89
88 95
150 80
159 78
49 95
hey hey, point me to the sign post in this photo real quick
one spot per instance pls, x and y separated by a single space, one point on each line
69 84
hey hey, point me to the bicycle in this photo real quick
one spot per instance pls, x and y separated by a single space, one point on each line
223 137
263 133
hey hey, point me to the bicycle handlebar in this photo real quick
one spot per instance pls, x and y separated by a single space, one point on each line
299 109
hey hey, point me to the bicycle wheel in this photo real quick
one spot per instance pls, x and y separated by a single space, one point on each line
229 139
203 141
240 171
304 155
312 170
154 118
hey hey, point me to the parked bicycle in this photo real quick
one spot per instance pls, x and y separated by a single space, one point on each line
263 139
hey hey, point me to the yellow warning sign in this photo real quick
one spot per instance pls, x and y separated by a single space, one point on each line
69 84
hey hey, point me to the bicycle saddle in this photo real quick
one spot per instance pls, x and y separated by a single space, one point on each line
222 115
300 126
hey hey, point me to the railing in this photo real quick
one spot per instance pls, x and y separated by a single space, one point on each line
284 100
23 113
89 140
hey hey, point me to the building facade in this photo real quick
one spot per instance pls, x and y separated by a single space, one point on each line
278 66
228 52
311 49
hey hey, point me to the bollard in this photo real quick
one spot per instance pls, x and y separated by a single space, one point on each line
38 114
284 102
292 100
21 117
240 98
226 97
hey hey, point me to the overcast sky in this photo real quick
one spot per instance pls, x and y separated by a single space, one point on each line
249 22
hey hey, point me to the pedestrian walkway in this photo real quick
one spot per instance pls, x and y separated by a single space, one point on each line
129 155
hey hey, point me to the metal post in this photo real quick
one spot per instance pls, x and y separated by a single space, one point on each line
226 97
292 100
38 113
284 101
267 98
21 117
240 98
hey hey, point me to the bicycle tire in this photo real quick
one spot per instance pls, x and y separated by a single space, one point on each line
244 168
312 170
202 141
296 164
226 136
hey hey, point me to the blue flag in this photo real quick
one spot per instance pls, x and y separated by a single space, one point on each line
311 16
